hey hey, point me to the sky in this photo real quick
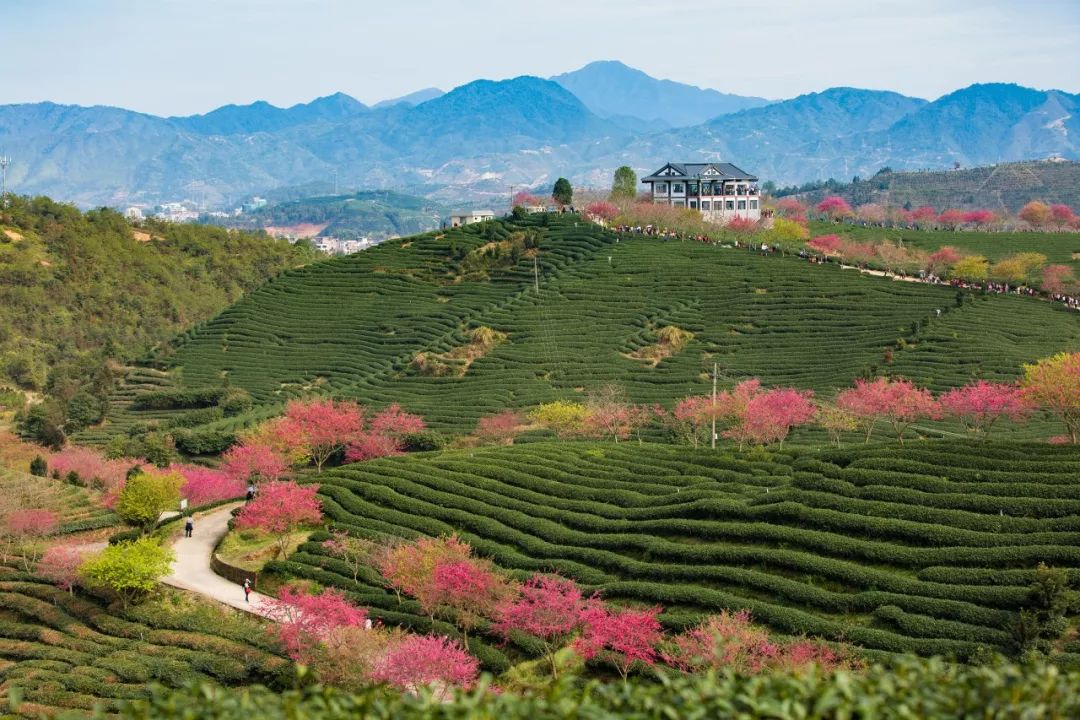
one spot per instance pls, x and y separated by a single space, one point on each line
179 57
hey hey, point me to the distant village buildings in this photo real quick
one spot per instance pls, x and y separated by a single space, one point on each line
470 217
134 214
337 246
720 191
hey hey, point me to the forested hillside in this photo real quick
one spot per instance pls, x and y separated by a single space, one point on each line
80 289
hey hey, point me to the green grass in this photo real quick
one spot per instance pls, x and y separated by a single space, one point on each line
68 652
352 326
926 549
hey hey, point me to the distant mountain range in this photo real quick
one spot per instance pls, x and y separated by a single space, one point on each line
476 140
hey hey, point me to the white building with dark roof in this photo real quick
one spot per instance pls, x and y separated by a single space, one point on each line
720 191
469 217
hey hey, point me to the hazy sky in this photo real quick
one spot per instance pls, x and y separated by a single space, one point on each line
186 56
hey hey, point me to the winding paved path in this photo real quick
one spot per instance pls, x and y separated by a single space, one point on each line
191 569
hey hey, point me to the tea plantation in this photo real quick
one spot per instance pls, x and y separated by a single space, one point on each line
66 652
353 326
928 549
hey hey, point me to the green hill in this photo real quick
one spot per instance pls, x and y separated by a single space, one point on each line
80 289
354 326
1005 187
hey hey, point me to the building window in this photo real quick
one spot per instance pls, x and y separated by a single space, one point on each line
729 204
693 204
661 187
704 204
679 203
753 204
677 187
742 204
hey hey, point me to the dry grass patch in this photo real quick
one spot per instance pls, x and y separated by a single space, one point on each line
669 341
456 362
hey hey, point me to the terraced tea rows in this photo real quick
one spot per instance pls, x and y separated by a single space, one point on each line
68 653
928 548
78 508
353 325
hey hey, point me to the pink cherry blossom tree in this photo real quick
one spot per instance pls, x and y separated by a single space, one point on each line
322 427
898 402
384 435
826 244
470 589
789 207
500 428
60 565
624 637
280 508
1058 279
770 415
303 621
427 660
549 608
924 216
204 485
28 527
866 402
981 404
1060 215
951 219
603 210
942 259
409 568
834 207
253 462
979 218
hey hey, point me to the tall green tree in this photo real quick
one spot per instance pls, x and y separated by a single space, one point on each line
129 569
146 496
624 186
563 193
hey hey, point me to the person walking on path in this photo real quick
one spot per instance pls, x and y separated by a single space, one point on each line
189 525
247 589
250 493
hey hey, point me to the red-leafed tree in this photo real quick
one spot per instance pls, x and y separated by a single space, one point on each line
548 608
254 462
623 637
525 199
203 485
384 435
691 420
741 226
866 402
610 414
280 508
1035 213
951 219
322 427
790 208
899 402
924 216
826 244
1060 215
28 527
602 209
834 207
981 404
427 660
500 428
409 568
470 589
942 259
1058 279
979 218
304 621
770 415
60 566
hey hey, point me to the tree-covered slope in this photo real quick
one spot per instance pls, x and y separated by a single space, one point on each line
355 326
78 288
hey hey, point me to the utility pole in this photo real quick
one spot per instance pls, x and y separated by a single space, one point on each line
511 198
4 162
713 413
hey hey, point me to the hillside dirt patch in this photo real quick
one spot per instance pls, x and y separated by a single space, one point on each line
669 341
456 362
141 236
12 235
300 230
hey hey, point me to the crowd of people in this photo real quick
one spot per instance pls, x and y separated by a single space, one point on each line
1071 302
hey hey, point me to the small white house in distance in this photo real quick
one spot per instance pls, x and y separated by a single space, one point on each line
472 216
720 191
